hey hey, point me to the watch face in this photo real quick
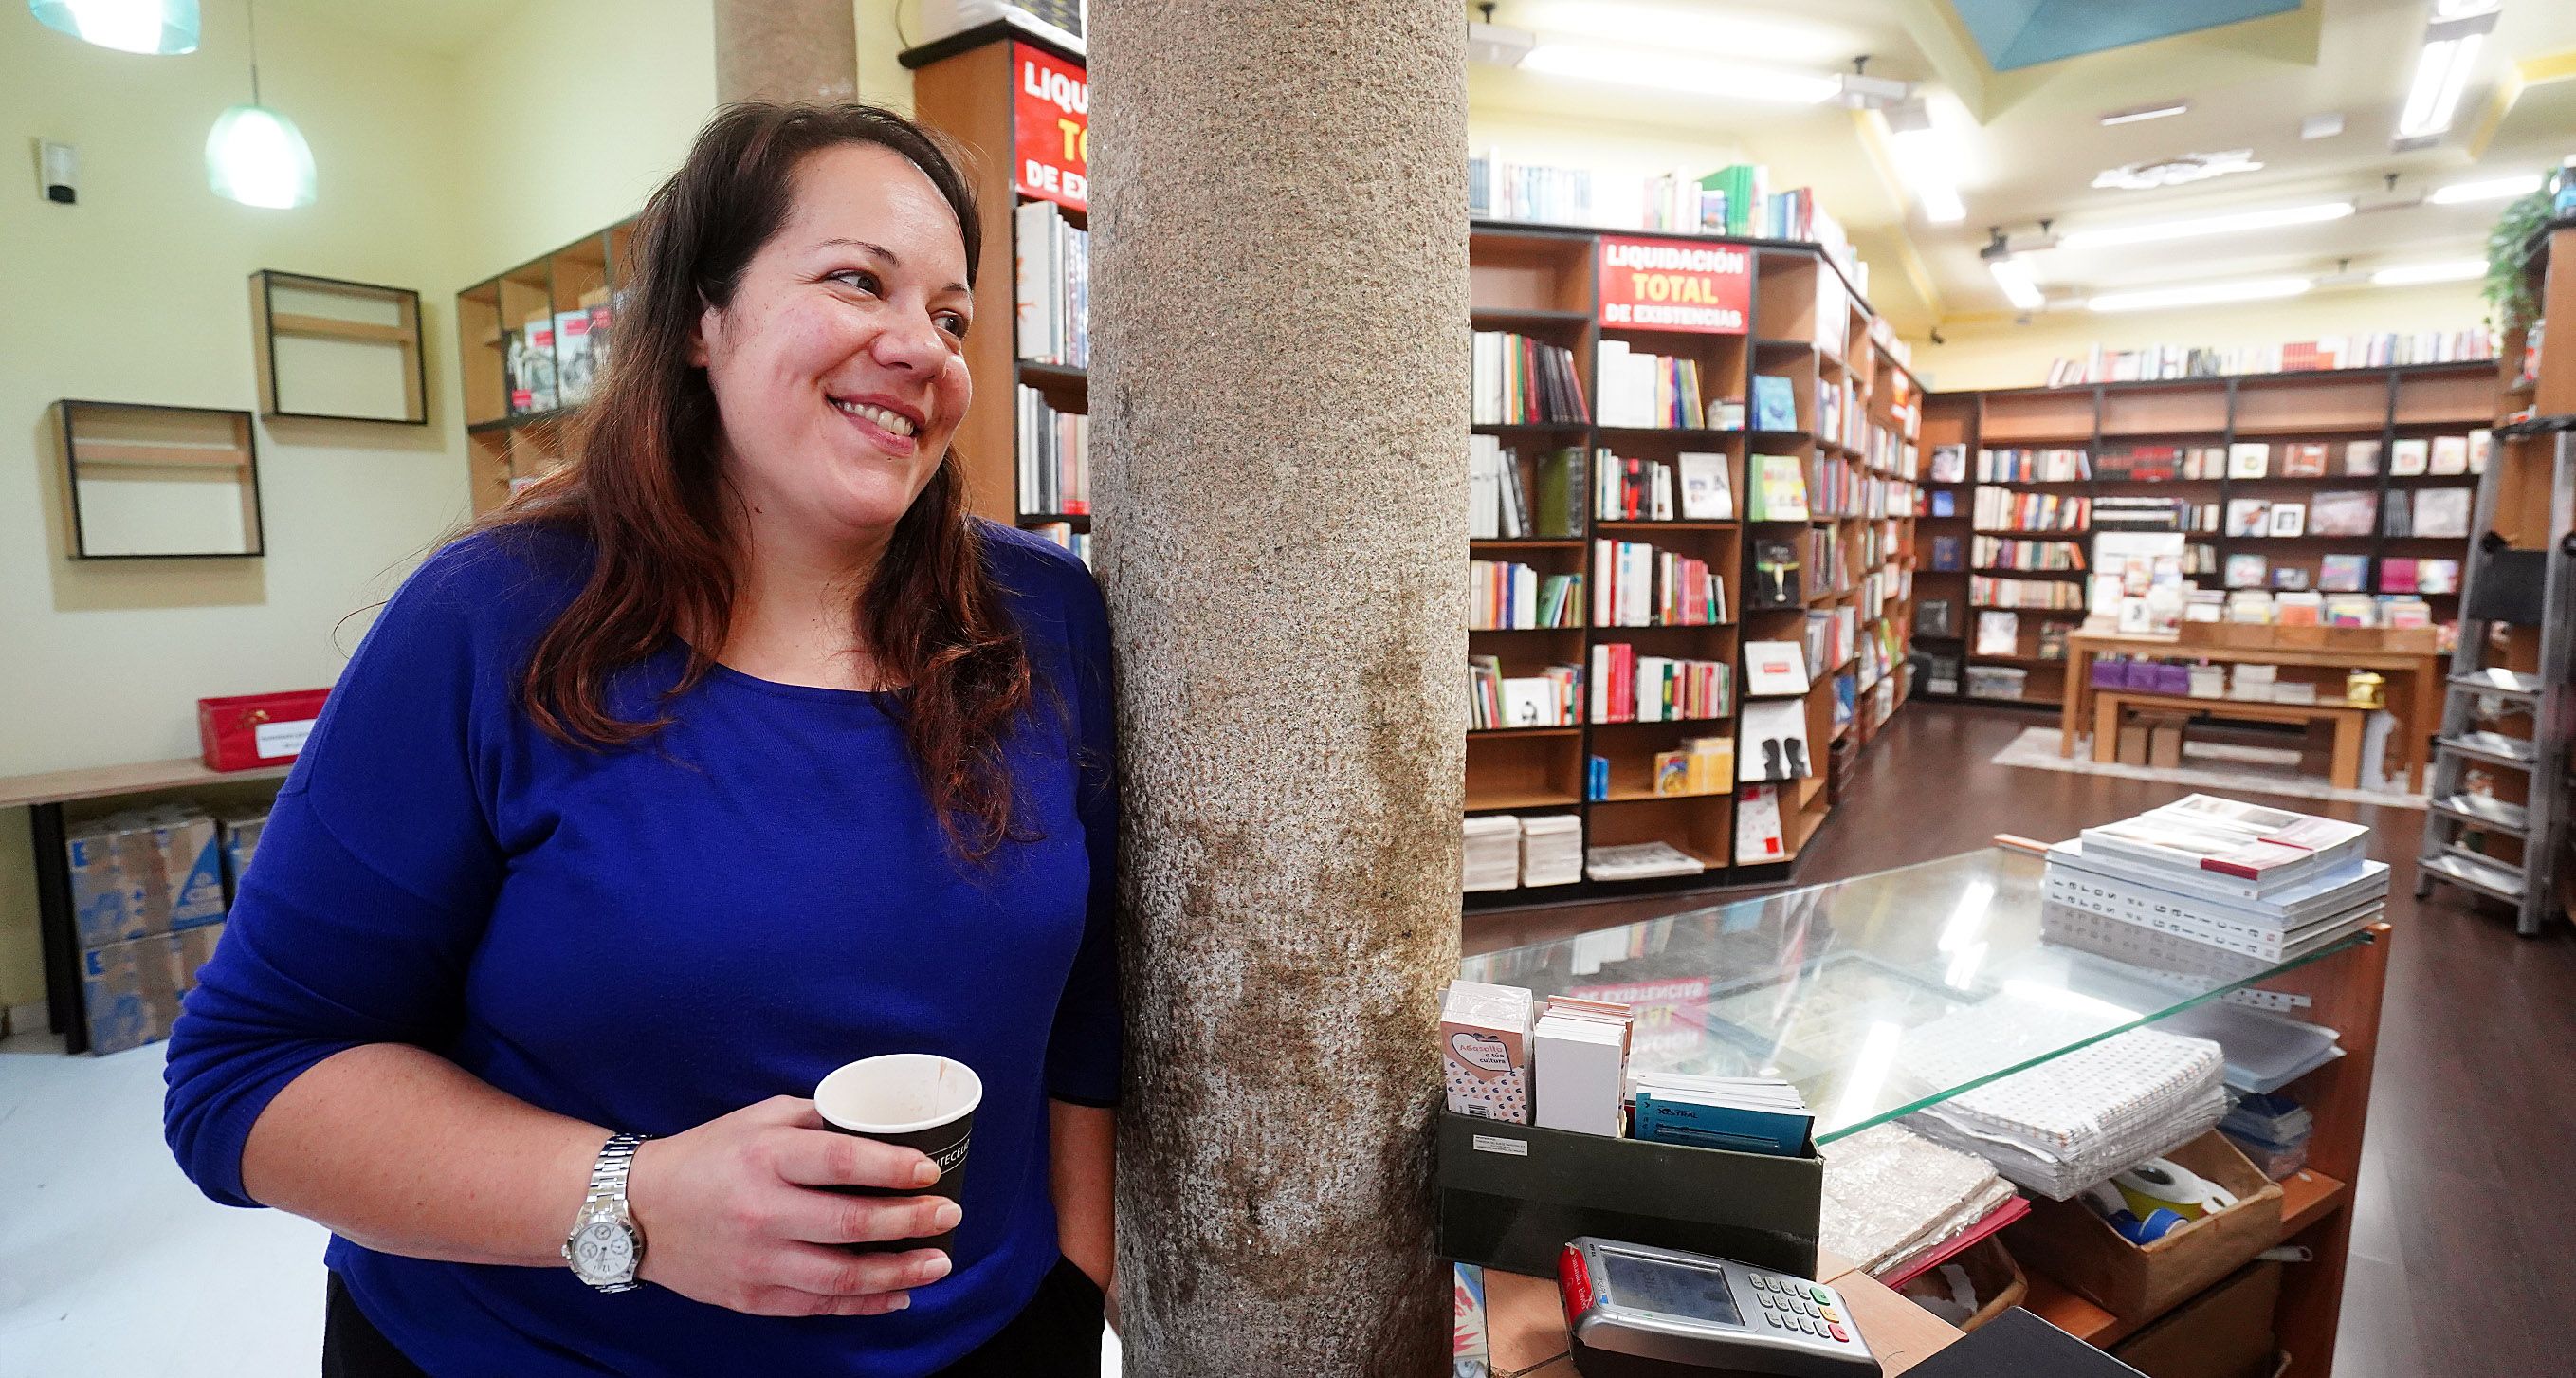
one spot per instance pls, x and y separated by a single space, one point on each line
603 1251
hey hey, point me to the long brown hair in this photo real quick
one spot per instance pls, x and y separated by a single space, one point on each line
642 483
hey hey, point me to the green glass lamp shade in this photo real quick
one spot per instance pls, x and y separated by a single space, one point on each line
163 27
258 157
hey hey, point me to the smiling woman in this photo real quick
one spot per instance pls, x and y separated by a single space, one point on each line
732 753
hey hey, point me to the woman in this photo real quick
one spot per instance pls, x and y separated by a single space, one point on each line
731 754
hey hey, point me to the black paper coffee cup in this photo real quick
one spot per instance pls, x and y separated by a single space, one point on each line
920 1101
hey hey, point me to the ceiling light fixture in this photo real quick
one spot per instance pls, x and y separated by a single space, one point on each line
1675 72
2324 126
2452 40
2204 294
2174 172
153 27
1926 160
2492 189
2444 270
255 155
2159 230
2144 113
2013 276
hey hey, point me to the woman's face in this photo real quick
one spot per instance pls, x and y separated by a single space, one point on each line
839 368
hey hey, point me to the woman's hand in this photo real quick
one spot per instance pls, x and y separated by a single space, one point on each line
732 1216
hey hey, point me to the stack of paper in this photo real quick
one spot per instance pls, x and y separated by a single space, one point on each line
1745 1114
1893 1197
2272 1131
2075 1120
2265 1052
1493 856
1581 1052
1641 860
1551 849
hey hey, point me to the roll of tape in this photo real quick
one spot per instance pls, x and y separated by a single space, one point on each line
2163 1184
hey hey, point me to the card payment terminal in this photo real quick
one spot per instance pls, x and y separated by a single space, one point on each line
1638 1312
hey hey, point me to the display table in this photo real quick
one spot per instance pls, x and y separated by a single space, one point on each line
2414 682
1525 1323
43 796
1886 993
2348 722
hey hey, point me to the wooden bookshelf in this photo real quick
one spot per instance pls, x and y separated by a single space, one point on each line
2333 407
328 350
514 434
1802 322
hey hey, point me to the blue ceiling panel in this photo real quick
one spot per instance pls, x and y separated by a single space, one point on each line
2023 33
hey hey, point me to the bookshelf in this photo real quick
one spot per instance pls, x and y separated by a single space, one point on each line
1033 281
328 350
1800 322
529 341
2128 430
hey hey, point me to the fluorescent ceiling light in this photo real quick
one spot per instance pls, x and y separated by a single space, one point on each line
2205 294
2441 74
1675 72
1927 161
2157 230
2014 277
2445 270
2147 112
2493 189
2464 9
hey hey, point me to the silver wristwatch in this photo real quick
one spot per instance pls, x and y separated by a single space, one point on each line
606 1246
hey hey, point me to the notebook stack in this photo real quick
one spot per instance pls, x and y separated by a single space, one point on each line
1743 1114
1551 849
1493 855
2230 878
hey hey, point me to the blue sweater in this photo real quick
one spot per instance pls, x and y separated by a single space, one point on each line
653 937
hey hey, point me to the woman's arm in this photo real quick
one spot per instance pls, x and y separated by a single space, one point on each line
1082 1174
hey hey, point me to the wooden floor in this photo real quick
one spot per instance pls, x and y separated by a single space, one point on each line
2464 1247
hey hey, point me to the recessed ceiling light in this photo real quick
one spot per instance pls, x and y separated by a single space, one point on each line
2324 126
2173 172
2157 230
2446 270
2204 294
2156 111
2492 189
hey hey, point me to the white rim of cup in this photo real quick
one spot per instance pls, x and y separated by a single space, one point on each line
852 1071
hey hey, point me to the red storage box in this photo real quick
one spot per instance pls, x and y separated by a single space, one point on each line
248 731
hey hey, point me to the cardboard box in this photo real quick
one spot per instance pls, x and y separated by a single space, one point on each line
2225 1332
2067 1241
2133 746
1510 1195
2164 746
240 833
144 872
132 989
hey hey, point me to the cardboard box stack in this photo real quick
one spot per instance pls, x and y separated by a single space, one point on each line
148 902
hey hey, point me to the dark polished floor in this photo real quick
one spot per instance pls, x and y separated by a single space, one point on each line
2464 1247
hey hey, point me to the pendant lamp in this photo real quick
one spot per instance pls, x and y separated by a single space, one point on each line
255 155
154 27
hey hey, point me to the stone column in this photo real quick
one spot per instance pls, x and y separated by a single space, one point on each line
1279 405
786 50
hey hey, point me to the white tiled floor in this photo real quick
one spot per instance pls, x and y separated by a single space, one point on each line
112 1264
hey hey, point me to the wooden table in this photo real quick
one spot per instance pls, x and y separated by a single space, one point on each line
1525 1324
43 796
2414 682
2348 721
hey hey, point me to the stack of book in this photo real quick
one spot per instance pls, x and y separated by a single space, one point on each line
1640 861
1740 1114
2272 1131
1628 687
2264 883
1543 700
2033 466
1639 585
1053 288
1504 595
1493 853
1551 849
1647 390
1055 458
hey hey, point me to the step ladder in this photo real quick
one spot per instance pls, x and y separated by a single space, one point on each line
2501 585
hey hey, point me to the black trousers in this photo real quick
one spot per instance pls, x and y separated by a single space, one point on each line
1057 1335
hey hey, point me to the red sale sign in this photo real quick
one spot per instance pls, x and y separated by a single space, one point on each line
1051 127
1668 284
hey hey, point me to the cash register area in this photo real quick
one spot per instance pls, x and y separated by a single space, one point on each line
104 1248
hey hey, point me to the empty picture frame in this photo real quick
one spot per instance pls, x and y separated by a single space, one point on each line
155 482
329 350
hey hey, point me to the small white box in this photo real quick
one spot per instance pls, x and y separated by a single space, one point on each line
2208 682
1579 1067
2294 691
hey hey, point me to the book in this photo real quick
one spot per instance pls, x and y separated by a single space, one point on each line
2437 576
1706 494
1935 617
2450 455
2396 514
2397 574
1949 464
1758 838
2293 579
1517 380
1779 489
2343 573
1998 634
575 367
2442 512
2304 460
530 362
2249 517
2327 892
2202 833
1775 403
1558 512
2360 458
2289 519
2409 457
1774 668
2342 512
1773 741
2246 571
1742 1115
1640 861
1776 581
1945 503
2249 459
